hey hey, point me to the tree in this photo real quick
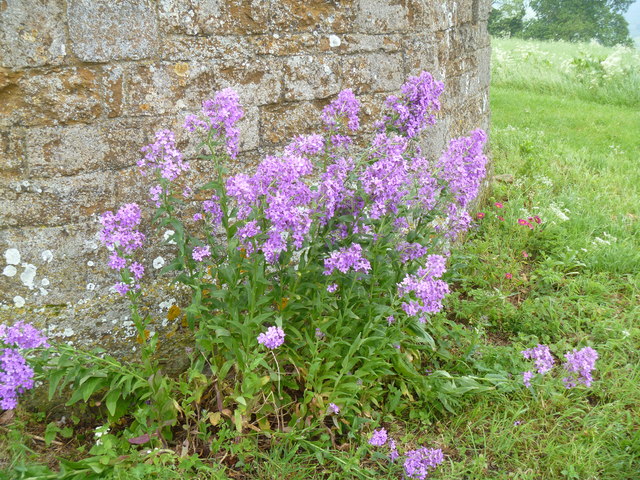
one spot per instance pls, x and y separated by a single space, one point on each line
507 18
579 20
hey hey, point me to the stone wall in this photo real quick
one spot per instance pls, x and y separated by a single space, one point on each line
85 83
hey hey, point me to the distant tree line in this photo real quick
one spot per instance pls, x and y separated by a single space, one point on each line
572 20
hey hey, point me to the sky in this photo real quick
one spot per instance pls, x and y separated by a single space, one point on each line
633 17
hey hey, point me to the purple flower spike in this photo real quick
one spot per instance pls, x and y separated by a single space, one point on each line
419 462
272 338
345 106
163 156
346 259
378 438
412 112
541 355
579 366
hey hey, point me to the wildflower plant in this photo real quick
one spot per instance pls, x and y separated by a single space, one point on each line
314 279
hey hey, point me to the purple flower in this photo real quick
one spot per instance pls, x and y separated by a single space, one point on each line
212 207
272 338
16 375
118 229
390 319
155 193
462 166
393 451
137 270
122 288
116 262
424 285
419 462
346 106
541 355
527 377
579 365
333 190
332 288
378 438
223 113
410 251
305 145
345 259
334 409
411 113
22 335
244 233
200 253
320 334
163 156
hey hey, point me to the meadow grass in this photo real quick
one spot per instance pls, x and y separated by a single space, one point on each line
565 147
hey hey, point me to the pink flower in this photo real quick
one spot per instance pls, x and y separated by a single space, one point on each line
501 218
508 276
537 219
522 221
498 205
480 215
525 254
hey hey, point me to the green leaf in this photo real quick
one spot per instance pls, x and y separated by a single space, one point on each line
111 401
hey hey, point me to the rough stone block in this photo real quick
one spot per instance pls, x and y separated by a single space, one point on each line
281 122
65 151
12 152
335 16
230 50
281 44
166 87
257 83
32 34
103 30
55 201
51 97
360 43
421 54
65 263
214 17
373 72
307 77
375 16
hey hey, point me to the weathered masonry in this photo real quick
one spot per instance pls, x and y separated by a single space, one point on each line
85 83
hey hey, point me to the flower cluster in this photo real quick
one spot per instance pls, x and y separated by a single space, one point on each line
541 355
164 157
16 375
463 166
278 193
347 106
378 438
345 259
579 366
412 112
272 338
426 287
417 462
121 236
222 113
420 461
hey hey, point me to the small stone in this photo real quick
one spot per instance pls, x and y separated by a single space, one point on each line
18 301
334 41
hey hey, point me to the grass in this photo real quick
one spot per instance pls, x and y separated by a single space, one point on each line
565 143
